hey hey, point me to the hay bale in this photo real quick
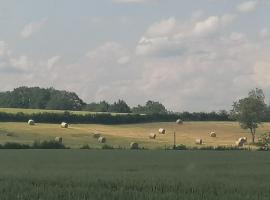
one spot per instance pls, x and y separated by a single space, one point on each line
162 131
134 145
152 136
179 121
101 139
213 134
58 139
199 141
31 122
64 125
241 142
96 135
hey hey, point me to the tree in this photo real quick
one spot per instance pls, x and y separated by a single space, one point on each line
151 107
119 107
250 111
102 106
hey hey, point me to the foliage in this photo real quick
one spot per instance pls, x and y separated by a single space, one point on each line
250 111
40 98
264 141
102 106
106 146
85 146
48 145
119 107
151 107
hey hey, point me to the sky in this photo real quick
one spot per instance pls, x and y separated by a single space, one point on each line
190 55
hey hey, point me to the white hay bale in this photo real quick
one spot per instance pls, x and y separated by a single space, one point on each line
199 141
31 122
152 136
101 139
241 142
134 145
179 121
96 135
64 125
58 139
162 131
213 134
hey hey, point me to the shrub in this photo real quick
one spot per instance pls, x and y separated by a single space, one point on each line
264 140
14 145
86 146
48 145
181 147
106 146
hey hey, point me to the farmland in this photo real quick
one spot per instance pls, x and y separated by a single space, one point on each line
122 135
121 175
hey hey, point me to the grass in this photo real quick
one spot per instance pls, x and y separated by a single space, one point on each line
121 175
122 135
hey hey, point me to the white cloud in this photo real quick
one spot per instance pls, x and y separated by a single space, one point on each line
207 26
265 32
124 60
32 28
53 61
262 73
247 6
162 28
169 37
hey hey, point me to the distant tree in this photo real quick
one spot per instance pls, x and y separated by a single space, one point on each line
250 111
102 106
40 98
151 107
119 107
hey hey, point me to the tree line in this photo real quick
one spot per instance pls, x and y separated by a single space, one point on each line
52 99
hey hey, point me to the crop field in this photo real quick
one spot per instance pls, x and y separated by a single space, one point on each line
78 135
121 175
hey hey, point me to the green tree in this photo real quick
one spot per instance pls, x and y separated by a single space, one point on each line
151 107
250 111
119 107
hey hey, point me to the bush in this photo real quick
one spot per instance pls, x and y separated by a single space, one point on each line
264 140
14 145
48 145
106 146
181 147
86 146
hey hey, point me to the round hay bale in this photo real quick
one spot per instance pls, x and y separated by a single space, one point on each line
96 135
58 139
64 125
134 145
152 136
241 142
199 141
31 122
179 121
162 131
213 134
101 139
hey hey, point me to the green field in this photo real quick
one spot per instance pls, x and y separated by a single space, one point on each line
122 175
122 135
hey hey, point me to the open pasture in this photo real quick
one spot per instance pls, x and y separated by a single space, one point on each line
122 175
122 135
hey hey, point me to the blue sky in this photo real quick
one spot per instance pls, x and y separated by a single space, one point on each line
191 55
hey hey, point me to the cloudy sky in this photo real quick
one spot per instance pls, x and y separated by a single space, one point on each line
190 55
